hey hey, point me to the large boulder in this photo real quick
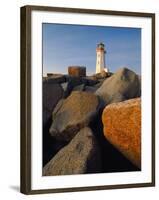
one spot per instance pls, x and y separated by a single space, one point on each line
52 93
57 108
98 85
122 128
122 85
80 156
75 112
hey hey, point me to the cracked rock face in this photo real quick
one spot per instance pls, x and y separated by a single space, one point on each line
122 128
74 113
80 156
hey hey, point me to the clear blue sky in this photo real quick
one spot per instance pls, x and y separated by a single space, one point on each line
66 45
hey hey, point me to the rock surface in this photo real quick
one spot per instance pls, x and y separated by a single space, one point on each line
122 128
77 71
76 112
122 85
74 83
80 156
102 74
67 88
90 89
52 93
90 81
55 78
79 87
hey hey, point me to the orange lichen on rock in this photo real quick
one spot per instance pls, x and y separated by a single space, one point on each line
122 128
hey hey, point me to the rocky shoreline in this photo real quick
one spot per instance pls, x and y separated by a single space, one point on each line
91 124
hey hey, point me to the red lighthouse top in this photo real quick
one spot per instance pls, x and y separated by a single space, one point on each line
100 47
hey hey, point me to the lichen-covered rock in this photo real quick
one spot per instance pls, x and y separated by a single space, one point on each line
76 112
122 128
80 156
52 93
122 85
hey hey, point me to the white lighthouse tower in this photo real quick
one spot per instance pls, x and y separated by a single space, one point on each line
100 60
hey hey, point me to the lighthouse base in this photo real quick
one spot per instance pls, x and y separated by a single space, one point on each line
106 69
101 70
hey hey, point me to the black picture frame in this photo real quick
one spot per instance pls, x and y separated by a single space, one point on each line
26 117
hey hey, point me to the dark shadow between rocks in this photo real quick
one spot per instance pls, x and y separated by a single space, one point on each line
112 159
50 145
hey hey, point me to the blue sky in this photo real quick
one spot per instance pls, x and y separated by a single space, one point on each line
66 45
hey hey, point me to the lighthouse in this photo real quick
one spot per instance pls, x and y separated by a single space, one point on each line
100 60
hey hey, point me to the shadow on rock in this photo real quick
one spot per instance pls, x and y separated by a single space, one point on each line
112 159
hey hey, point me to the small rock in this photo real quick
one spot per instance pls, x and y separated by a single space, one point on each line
67 88
79 87
90 82
122 128
80 156
90 89
92 77
102 74
64 86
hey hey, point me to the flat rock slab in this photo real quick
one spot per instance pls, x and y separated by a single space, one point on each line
122 128
80 156
122 85
55 78
75 112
